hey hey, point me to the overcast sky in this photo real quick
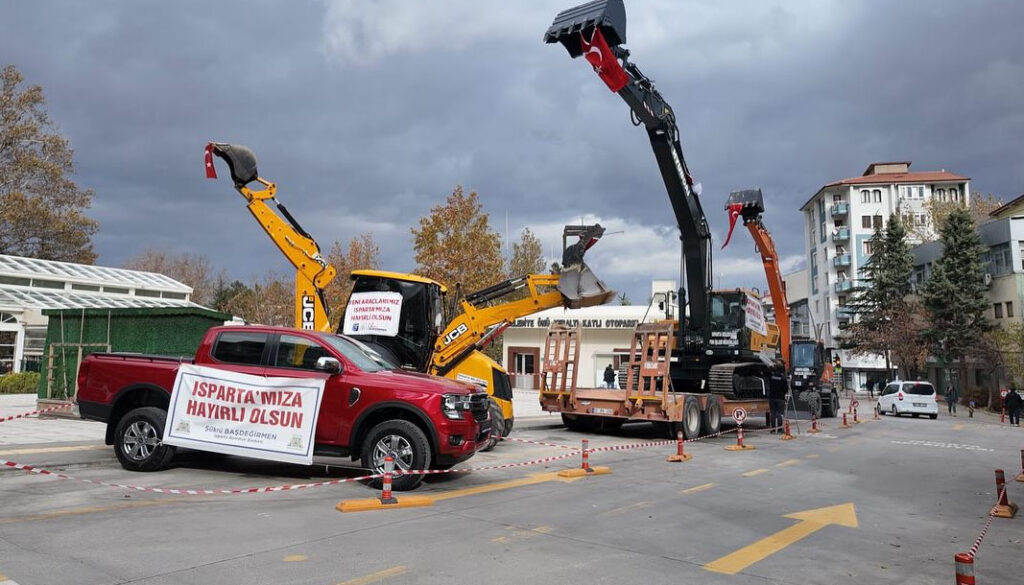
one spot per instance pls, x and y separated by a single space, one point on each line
366 114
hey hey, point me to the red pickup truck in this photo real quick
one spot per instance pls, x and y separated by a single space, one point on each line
368 410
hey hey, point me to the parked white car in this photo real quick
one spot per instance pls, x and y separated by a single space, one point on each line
914 398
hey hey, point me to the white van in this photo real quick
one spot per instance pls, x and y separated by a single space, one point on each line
914 398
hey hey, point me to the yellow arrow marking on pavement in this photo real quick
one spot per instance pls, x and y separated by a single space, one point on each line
811 521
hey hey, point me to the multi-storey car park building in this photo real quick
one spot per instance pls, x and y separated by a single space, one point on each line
838 222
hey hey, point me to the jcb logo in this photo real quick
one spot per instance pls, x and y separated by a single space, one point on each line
308 312
455 334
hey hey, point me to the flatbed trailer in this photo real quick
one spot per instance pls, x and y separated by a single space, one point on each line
647 396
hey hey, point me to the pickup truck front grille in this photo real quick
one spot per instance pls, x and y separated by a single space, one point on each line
479 407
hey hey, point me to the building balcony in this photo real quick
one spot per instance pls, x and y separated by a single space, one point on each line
841 261
841 234
844 313
840 209
844 286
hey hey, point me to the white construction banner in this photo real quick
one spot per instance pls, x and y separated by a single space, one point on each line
373 313
239 414
755 316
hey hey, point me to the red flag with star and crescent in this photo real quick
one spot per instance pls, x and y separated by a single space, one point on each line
600 55
211 173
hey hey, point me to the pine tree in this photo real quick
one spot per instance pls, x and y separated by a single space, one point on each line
955 293
887 322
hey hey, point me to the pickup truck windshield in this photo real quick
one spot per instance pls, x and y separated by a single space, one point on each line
362 356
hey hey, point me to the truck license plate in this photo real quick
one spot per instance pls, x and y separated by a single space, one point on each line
603 411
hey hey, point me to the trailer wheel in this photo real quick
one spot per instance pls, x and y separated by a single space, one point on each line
691 418
575 422
711 418
138 440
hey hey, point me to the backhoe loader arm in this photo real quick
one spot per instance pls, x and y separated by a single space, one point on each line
595 30
478 324
749 204
312 272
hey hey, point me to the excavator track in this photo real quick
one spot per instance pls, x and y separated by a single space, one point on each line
723 380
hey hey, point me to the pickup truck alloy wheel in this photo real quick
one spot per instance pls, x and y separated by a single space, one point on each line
138 440
497 424
405 442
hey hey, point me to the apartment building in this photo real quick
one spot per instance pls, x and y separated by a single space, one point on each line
838 222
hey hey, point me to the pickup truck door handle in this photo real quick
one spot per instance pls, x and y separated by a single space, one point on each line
353 395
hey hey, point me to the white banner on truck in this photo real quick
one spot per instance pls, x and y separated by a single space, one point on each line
373 313
755 316
240 414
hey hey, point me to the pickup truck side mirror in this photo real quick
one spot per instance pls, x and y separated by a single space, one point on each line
328 364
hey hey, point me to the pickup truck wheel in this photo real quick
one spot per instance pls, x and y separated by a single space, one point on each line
497 425
138 440
406 443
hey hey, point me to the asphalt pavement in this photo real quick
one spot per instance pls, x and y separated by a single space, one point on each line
887 501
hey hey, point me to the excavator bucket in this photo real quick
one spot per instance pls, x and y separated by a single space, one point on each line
608 15
579 286
241 161
748 203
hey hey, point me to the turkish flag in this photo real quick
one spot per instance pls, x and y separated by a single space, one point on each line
211 173
600 55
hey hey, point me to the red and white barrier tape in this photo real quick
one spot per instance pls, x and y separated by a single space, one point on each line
988 524
35 412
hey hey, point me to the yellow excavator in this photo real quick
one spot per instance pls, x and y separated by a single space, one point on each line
401 315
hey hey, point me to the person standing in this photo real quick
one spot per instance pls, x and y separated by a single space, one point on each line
1013 403
609 377
952 396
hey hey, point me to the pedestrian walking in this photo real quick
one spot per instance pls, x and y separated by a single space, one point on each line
1013 403
952 395
609 377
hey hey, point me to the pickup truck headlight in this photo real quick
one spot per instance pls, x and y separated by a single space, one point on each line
453 405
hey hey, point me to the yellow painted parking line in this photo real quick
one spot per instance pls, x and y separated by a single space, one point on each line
811 456
698 488
520 534
755 472
37 450
376 577
500 485
958 427
295 558
92 510
628 508
788 463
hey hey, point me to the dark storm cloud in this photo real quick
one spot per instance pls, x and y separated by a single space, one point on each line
367 114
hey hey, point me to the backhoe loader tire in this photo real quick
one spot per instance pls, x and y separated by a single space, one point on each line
711 419
691 418
497 425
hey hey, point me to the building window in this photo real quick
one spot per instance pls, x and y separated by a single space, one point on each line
837 198
865 196
876 195
1009 308
865 222
814 271
1020 245
998 260
954 195
940 194
878 222
867 248
997 308
821 217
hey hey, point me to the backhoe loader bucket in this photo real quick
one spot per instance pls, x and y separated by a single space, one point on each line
748 204
579 286
609 15
241 161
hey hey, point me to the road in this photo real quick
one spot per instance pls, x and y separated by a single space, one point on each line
900 498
